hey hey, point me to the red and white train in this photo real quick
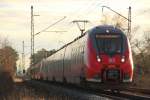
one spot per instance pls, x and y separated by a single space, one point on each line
102 54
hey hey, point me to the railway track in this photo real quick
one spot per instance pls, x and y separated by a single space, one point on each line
94 93
65 91
139 90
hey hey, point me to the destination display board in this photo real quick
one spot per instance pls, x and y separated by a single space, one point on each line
107 36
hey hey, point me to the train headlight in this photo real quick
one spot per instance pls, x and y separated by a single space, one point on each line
98 59
123 59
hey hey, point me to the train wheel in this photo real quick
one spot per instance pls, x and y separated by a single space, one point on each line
53 79
83 82
41 78
46 78
115 91
64 80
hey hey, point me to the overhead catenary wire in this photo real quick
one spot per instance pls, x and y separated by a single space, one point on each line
50 26
89 5
77 13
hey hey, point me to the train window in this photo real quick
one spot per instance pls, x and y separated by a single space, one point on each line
67 65
81 55
57 66
77 53
109 45
76 56
72 53
50 66
53 66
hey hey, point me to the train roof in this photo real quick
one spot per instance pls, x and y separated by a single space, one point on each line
97 29
101 29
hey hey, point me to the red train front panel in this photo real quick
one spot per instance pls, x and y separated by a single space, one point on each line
109 56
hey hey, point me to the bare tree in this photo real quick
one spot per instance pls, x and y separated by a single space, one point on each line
8 57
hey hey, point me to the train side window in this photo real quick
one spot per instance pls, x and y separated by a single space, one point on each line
76 56
82 55
48 67
44 67
80 51
54 66
79 55
78 60
71 54
58 65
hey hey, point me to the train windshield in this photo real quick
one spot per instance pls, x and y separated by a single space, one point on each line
110 44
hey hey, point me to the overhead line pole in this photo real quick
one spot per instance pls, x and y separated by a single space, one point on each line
33 36
31 33
129 22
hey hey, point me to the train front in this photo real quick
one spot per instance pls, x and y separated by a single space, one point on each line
109 56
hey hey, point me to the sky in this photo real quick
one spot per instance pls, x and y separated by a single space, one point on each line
16 16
